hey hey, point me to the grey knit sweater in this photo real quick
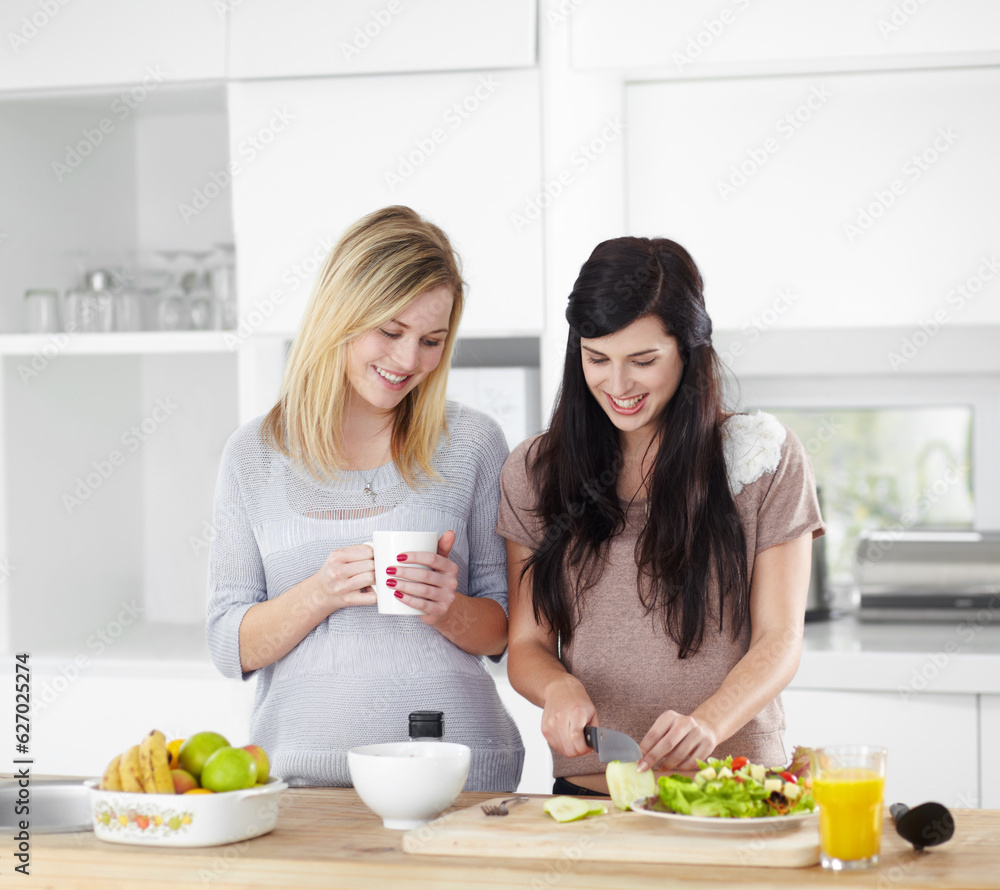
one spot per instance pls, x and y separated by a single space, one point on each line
356 676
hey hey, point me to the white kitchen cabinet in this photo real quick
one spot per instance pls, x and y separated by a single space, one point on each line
919 731
694 38
59 44
989 747
288 38
883 182
108 481
313 156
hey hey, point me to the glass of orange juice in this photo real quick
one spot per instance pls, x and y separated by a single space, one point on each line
848 783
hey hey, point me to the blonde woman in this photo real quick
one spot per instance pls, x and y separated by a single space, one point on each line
362 439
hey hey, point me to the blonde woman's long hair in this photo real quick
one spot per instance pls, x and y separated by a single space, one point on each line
384 262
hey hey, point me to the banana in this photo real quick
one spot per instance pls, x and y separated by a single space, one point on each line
154 760
111 780
130 771
146 767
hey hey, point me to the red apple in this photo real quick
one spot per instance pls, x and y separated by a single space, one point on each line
263 764
183 781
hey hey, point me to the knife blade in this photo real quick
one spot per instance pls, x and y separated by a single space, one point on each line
611 744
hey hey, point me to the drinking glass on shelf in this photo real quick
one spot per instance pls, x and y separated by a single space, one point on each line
848 784
73 298
222 275
171 312
128 310
199 294
126 300
41 309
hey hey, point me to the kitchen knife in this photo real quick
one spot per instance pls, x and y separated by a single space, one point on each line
611 744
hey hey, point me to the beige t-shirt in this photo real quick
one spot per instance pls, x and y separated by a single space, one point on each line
626 662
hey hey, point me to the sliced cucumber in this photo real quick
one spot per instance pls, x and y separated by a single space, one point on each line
627 785
569 809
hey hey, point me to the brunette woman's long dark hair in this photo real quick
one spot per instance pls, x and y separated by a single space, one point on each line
693 540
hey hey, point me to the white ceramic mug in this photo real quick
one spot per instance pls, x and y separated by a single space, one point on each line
387 546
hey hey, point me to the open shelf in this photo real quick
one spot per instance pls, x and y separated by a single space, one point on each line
119 343
108 481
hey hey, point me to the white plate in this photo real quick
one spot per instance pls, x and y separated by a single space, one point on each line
729 825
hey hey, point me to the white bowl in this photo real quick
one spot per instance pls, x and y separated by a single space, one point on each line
408 783
184 820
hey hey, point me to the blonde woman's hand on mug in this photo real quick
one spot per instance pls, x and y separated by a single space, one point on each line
427 581
347 578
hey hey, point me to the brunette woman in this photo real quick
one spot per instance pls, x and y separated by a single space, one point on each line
658 548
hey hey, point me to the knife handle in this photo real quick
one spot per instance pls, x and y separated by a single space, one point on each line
590 735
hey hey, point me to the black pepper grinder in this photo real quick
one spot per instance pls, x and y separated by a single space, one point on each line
426 726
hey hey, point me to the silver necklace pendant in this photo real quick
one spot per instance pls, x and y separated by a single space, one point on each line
369 490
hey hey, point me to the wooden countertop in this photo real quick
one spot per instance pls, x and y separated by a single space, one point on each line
326 837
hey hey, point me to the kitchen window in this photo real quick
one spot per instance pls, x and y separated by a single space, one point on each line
894 467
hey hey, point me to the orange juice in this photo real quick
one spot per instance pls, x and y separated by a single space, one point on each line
850 812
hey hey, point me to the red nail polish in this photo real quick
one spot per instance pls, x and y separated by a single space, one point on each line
401 557
398 595
391 582
390 570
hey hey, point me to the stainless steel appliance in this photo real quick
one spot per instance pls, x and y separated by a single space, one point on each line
819 599
926 575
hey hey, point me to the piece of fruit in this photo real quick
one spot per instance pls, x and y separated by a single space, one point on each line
173 749
129 770
627 785
263 764
111 780
200 791
704 775
739 763
229 769
155 764
183 781
197 749
569 809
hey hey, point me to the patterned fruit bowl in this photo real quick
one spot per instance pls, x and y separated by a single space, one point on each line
184 820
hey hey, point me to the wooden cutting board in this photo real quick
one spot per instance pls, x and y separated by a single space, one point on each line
530 833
